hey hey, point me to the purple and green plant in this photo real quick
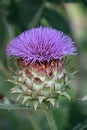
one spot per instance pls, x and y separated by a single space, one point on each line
41 78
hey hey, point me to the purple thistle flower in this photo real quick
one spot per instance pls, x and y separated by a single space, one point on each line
46 79
41 44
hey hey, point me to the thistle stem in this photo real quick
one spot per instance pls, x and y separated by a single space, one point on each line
50 119
34 122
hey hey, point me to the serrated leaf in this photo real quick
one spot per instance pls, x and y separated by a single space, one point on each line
51 100
41 98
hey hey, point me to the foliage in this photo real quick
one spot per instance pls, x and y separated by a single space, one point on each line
68 16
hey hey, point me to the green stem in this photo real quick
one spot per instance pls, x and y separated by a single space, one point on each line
34 121
50 119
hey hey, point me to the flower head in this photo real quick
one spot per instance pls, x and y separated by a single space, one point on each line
41 44
46 79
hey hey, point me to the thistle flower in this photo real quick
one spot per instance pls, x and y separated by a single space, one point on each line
40 52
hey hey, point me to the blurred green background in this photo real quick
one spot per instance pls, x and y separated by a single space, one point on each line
69 16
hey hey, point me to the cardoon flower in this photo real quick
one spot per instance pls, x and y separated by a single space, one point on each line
40 53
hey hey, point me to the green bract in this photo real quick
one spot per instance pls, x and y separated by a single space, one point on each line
39 84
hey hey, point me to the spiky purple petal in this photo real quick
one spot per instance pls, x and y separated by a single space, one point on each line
41 44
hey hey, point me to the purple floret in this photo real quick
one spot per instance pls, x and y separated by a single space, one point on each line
41 44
